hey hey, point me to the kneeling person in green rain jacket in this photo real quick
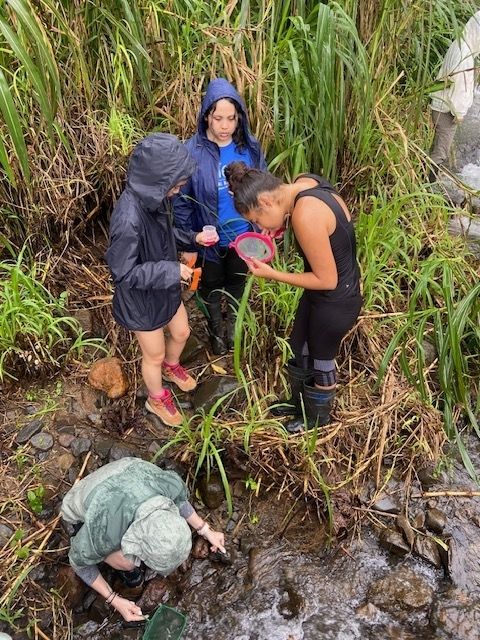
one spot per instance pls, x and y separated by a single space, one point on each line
130 511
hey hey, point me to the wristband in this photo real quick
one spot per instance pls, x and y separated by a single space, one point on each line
203 529
111 597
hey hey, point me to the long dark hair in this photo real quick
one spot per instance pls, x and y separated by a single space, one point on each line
246 183
239 133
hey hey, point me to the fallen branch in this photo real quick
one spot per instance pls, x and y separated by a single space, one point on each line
453 494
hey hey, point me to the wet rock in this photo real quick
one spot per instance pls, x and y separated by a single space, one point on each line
211 491
456 615
84 319
153 447
388 500
404 525
5 534
64 419
368 612
28 431
401 592
86 630
427 549
291 603
429 477
80 445
208 392
42 441
107 375
218 556
66 439
117 452
192 349
102 448
156 423
72 474
70 586
246 544
95 419
37 573
394 542
32 409
65 461
156 592
419 521
429 352
200 548
435 520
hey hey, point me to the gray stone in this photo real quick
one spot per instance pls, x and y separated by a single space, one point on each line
80 445
427 549
84 319
86 630
102 448
394 542
42 441
387 503
117 452
5 534
32 409
192 349
435 520
28 431
429 352
208 392
66 439
95 419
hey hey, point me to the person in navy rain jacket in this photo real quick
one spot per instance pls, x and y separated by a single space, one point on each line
143 260
223 136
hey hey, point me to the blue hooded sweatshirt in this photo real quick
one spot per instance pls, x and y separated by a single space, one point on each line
197 205
142 254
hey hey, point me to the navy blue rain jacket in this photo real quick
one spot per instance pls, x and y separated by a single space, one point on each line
142 255
197 205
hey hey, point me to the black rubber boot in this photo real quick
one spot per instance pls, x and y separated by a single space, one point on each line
292 406
216 330
318 406
230 325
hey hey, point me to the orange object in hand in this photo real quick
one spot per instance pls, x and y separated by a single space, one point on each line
195 281
196 275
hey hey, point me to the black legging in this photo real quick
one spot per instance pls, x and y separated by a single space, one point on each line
228 274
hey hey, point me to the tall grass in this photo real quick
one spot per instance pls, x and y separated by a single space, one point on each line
36 332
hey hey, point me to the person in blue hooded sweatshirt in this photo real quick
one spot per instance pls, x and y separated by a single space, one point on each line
223 136
147 275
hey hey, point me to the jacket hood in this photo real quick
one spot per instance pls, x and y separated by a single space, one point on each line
156 165
216 90
159 536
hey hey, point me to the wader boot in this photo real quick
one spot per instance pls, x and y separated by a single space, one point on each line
230 324
292 406
318 406
216 330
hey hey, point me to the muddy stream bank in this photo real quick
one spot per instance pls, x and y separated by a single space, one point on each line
411 571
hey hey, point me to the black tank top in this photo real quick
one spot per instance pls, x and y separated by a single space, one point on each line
342 242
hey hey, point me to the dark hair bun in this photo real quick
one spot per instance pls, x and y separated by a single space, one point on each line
234 173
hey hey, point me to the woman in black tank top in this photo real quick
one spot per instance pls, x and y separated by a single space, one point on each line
331 301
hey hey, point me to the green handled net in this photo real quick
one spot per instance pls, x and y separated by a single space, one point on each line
165 624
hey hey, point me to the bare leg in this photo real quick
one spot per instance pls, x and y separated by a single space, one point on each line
152 344
179 332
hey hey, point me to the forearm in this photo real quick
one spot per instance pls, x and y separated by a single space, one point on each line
195 521
304 280
101 586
